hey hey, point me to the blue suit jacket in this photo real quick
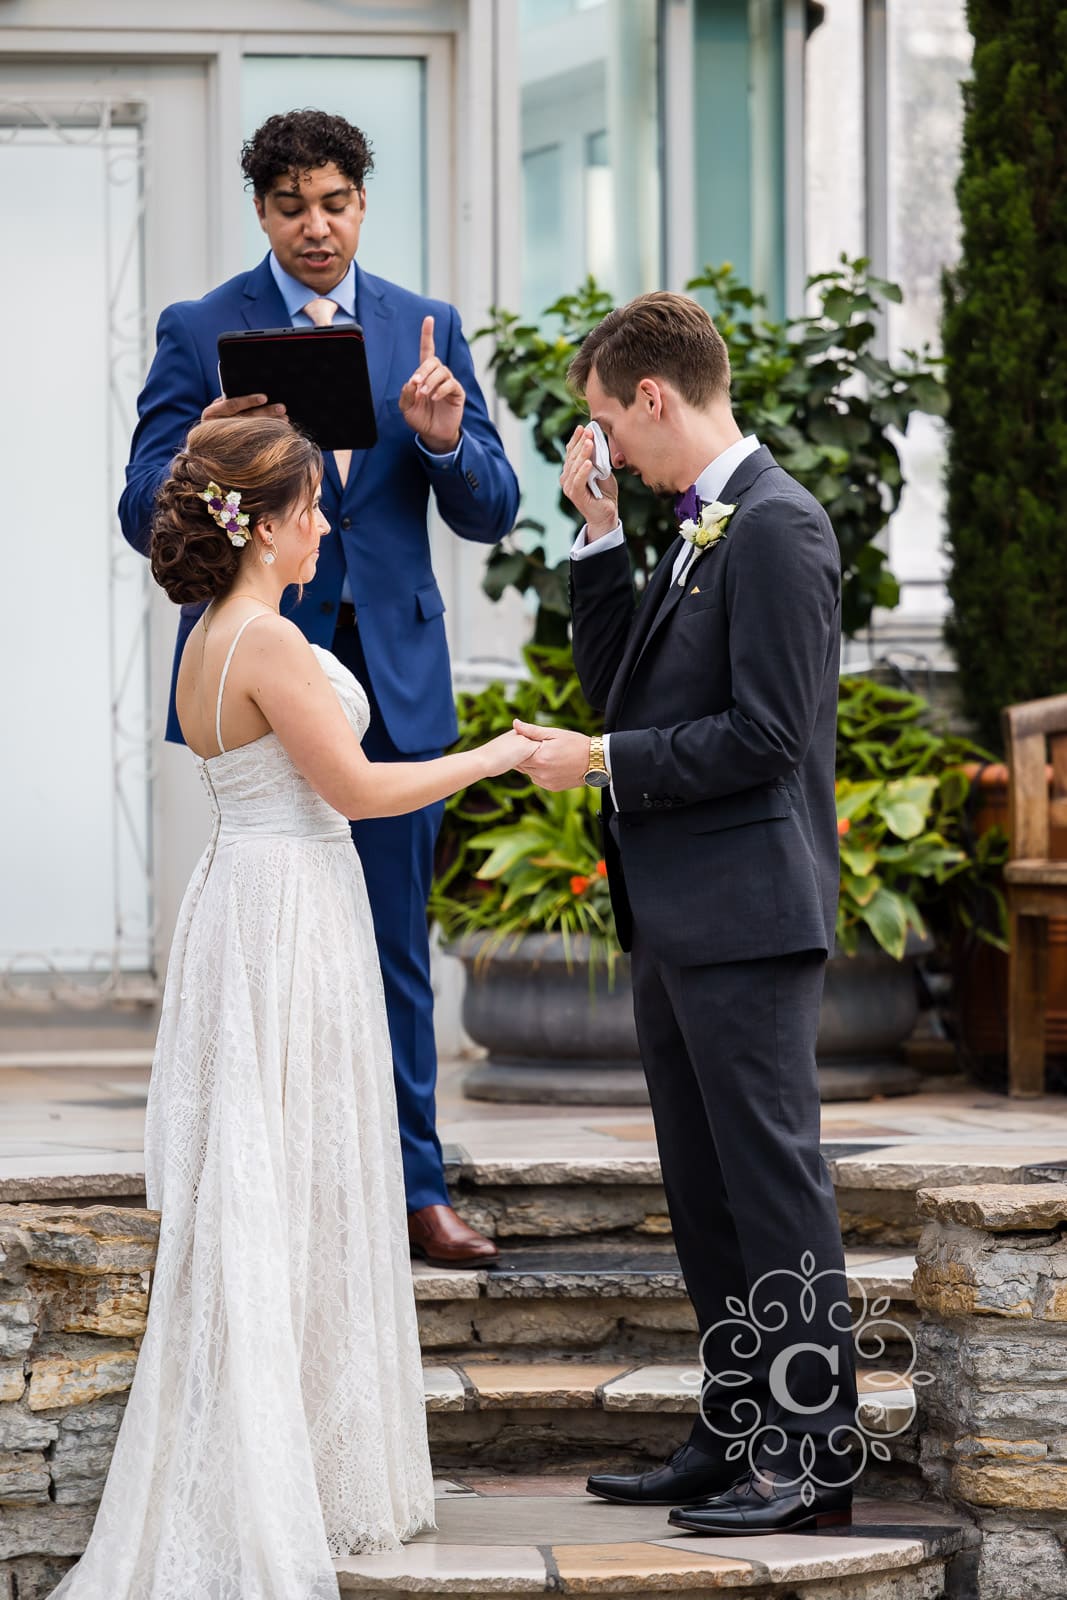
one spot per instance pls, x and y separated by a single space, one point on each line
378 522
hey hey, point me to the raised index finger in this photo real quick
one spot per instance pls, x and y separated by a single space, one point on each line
426 340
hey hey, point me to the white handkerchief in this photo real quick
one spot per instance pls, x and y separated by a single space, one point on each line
601 460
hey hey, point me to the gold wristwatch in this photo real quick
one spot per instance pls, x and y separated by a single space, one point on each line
598 776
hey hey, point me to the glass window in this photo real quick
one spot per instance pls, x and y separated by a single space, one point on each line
542 204
369 91
929 52
738 153
590 173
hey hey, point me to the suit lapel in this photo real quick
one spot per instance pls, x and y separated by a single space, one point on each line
663 595
379 335
263 304
654 598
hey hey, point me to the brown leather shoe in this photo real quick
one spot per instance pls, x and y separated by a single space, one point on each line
444 1240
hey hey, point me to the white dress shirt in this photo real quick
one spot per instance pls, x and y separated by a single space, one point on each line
709 486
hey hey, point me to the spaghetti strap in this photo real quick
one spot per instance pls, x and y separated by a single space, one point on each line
225 670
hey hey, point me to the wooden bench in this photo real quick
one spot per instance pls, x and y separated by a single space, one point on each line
1035 737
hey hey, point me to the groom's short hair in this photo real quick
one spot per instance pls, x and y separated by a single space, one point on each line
659 335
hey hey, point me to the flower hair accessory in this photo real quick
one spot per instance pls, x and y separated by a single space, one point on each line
225 507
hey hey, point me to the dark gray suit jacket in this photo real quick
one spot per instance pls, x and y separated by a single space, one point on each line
721 699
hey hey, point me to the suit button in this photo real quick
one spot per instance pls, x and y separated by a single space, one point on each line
326 607
346 523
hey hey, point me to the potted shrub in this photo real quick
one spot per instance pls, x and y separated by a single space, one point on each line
914 877
521 898
519 869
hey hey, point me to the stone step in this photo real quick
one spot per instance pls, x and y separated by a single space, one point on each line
519 1198
615 1298
887 1400
523 1199
501 1534
602 1414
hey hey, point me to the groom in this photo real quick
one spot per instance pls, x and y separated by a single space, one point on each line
374 600
717 771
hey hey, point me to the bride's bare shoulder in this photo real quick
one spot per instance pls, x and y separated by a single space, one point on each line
275 647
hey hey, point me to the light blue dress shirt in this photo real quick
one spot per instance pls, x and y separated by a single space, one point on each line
296 296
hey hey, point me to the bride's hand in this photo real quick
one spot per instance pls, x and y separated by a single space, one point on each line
507 750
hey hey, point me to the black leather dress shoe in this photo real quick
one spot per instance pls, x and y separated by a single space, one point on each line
686 1475
756 1504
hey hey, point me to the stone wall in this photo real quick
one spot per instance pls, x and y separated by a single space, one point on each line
991 1285
73 1301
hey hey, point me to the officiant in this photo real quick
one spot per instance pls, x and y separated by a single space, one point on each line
374 600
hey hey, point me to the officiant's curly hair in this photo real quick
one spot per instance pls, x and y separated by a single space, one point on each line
296 142
272 467
660 335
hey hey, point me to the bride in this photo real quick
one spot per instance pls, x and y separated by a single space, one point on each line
276 1418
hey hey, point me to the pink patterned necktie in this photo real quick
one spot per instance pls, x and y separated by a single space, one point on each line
322 313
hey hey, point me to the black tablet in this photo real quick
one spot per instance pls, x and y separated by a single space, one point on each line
318 374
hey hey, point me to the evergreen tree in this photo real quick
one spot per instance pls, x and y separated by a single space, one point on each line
1005 339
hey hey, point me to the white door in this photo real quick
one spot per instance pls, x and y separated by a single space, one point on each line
104 172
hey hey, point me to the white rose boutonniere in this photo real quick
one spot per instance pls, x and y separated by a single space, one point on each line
707 532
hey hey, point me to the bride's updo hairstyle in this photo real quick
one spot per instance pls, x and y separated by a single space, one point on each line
273 468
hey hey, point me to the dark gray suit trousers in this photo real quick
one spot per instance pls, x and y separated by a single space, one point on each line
729 1055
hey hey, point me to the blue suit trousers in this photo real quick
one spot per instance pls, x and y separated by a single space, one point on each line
397 858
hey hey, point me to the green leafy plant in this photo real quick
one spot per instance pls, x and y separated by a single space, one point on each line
909 857
1005 340
513 859
812 389
544 872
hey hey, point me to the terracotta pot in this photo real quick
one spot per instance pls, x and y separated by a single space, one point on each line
980 973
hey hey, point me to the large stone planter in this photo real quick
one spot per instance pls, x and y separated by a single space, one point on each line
870 1005
554 1033
553 1036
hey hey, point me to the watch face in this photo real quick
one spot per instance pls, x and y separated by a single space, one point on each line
597 780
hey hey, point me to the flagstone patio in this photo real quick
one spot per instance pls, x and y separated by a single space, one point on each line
71 1112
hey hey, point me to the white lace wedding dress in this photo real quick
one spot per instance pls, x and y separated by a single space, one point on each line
277 1416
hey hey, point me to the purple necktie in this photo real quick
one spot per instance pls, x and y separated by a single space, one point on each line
687 505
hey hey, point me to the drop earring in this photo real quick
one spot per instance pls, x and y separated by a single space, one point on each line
267 557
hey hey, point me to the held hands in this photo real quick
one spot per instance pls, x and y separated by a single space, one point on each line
432 400
600 515
559 759
506 751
